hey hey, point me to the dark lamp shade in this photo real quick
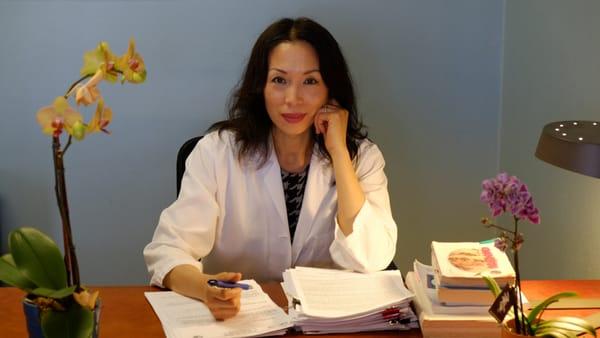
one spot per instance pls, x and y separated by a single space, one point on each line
571 145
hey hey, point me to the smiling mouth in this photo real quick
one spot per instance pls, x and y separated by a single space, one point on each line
293 117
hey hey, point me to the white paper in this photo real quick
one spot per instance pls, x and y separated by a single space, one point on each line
336 294
184 317
334 301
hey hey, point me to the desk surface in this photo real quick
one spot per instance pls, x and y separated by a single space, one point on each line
126 313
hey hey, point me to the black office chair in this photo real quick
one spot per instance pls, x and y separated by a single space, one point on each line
182 155
392 266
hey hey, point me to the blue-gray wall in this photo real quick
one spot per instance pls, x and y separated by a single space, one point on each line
552 73
428 76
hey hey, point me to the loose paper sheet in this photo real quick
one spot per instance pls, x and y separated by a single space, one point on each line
184 317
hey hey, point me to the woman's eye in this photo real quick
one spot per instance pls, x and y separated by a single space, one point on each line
311 81
278 80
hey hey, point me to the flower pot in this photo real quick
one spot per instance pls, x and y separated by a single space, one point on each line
507 330
33 319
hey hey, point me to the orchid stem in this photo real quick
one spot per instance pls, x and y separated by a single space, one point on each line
75 84
492 225
518 277
67 145
60 189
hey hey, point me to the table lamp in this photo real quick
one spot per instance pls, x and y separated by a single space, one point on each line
571 145
575 146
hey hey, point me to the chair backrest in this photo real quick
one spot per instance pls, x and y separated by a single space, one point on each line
182 155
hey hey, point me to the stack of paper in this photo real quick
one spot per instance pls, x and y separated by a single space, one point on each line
333 301
183 317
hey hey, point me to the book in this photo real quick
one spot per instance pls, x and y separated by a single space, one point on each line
462 264
436 325
454 296
423 274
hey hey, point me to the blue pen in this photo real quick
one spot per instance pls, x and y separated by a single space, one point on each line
228 285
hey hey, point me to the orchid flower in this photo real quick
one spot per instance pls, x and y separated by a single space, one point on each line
101 119
131 64
58 117
102 59
89 93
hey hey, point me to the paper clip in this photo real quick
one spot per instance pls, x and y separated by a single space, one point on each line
390 313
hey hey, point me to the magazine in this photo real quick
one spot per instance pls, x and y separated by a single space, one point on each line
462 264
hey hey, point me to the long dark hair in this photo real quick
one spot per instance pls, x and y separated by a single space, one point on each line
248 117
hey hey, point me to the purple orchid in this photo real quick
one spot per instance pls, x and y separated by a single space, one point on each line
507 193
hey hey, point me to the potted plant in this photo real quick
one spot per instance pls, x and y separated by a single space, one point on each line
502 194
56 304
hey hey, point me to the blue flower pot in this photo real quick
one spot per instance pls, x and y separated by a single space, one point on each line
33 319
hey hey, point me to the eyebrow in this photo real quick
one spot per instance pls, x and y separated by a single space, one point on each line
284 72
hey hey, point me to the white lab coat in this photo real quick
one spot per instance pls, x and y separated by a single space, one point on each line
233 217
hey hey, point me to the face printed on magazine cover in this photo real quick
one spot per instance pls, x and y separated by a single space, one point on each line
468 259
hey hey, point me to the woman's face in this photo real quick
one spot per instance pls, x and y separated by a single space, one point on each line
294 90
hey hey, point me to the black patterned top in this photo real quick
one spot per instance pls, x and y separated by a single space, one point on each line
293 189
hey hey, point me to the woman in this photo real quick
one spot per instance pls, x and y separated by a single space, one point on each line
289 179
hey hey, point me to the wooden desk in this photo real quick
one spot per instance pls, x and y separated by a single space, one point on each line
126 313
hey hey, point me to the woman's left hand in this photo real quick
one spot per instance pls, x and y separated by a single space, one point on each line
332 121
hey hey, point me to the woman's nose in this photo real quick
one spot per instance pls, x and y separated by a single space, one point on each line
293 95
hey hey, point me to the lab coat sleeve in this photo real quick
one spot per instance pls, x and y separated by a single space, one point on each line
186 229
372 244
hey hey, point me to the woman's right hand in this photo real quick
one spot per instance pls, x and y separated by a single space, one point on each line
189 281
223 303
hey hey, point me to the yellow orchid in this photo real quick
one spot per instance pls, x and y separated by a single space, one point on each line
53 119
89 93
131 64
86 299
101 119
103 59
60 296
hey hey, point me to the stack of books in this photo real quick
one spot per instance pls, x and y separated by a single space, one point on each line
451 297
459 268
333 301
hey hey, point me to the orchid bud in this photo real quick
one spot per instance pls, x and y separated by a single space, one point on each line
78 130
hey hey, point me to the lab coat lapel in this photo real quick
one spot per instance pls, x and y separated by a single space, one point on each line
319 183
271 175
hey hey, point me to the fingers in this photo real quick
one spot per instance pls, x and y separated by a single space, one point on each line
229 276
224 309
321 121
324 115
224 303
223 293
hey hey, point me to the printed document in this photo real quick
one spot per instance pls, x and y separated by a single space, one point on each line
183 317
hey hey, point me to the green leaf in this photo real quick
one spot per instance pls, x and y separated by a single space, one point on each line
492 285
10 275
556 333
76 322
542 306
38 258
8 259
55 294
568 323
